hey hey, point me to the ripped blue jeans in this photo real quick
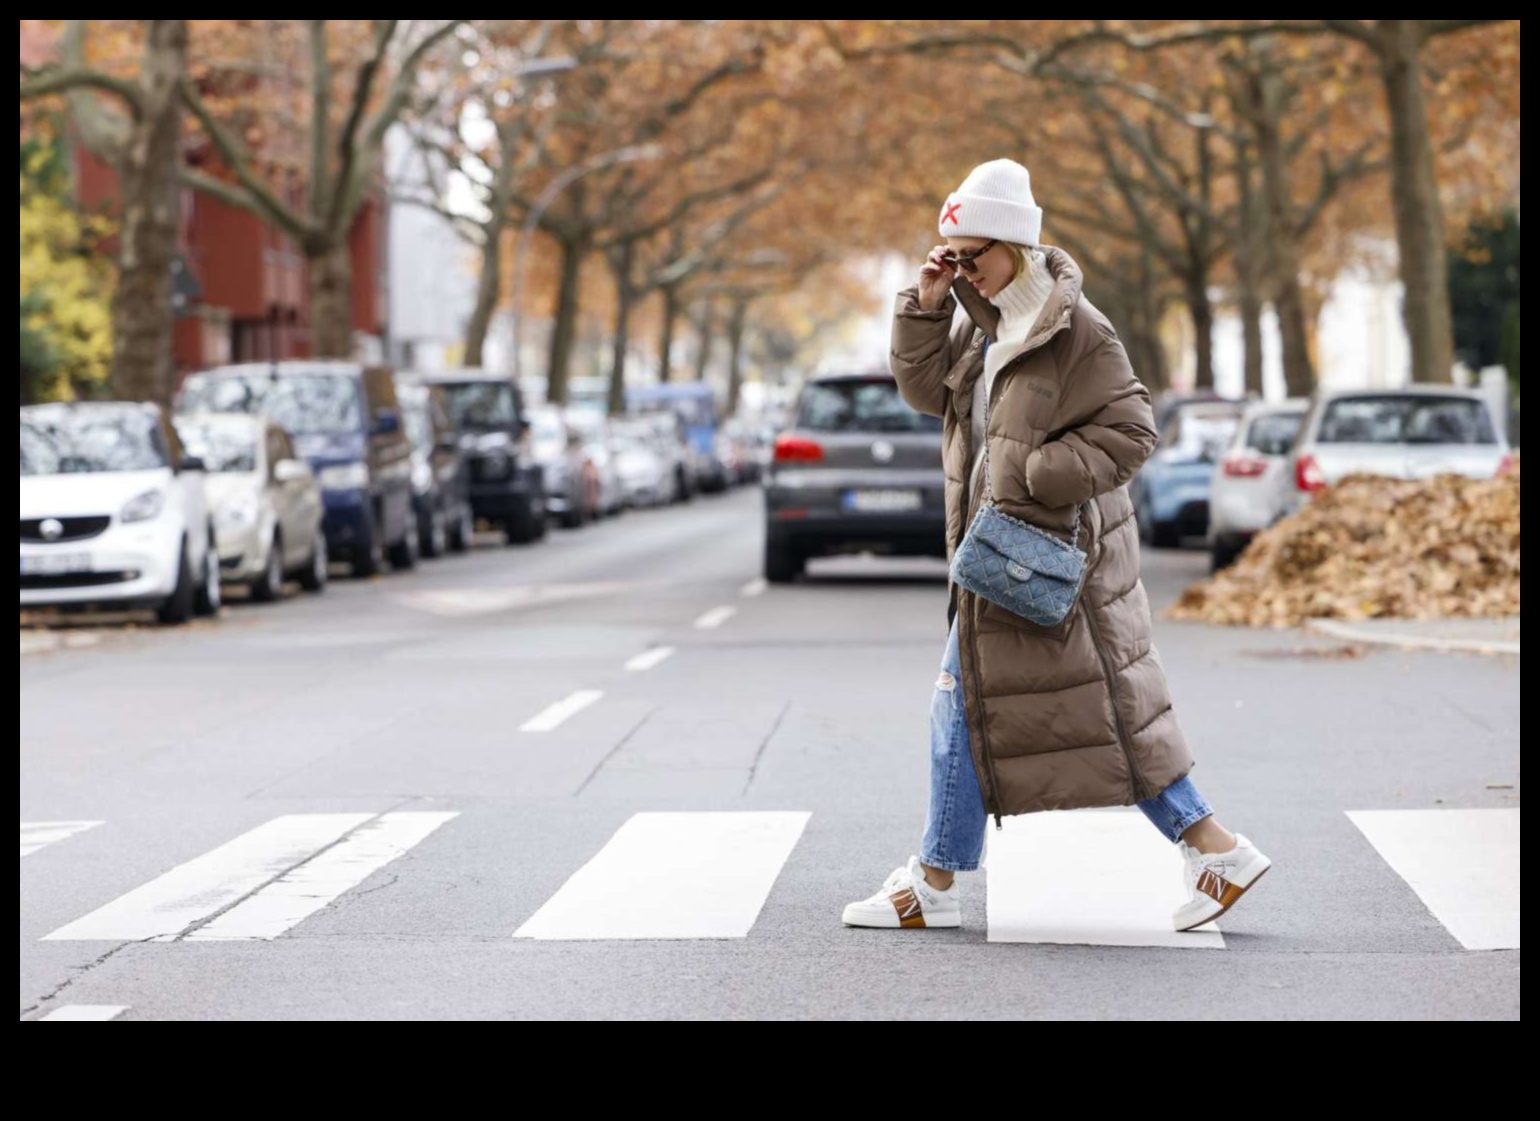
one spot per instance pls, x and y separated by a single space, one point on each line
956 820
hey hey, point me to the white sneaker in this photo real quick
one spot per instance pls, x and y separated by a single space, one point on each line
1217 880
907 901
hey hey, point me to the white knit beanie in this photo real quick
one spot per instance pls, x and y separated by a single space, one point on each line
995 201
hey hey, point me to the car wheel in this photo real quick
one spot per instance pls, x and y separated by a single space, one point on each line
436 543
178 607
1223 553
313 577
404 553
369 554
783 562
210 592
1165 535
269 586
463 532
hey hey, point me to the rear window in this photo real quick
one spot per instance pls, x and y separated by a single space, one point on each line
1406 419
1202 430
1273 433
481 405
860 406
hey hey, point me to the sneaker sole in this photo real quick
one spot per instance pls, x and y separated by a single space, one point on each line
1232 897
891 922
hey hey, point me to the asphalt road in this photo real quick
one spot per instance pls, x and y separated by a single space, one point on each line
408 696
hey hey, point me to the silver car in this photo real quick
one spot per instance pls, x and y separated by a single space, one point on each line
1245 494
1412 433
264 499
857 470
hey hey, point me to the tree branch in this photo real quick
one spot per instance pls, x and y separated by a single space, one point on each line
1435 27
64 79
320 113
347 141
249 192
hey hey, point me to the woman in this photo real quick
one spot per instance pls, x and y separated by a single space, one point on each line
1027 718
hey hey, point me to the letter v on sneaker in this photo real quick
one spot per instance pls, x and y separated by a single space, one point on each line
907 902
1217 880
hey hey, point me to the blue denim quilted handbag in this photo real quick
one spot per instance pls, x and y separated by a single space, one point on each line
1023 569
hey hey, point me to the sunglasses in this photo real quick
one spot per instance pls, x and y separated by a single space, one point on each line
968 262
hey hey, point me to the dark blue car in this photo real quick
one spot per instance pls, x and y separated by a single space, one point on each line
345 420
1171 491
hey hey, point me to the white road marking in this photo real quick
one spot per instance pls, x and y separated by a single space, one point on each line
295 896
1463 865
755 587
673 875
1087 878
458 602
87 1012
555 715
644 661
715 618
205 885
40 834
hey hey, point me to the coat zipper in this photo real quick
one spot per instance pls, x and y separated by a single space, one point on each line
1141 787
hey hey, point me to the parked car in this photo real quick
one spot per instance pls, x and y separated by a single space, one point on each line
1171 491
344 419
645 478
265 502
558 449
488 413
1411 433
858 470
1245 494
441 488
736 453
113 512
593 427
673 447
694 403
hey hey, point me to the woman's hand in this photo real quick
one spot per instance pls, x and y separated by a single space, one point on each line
936 278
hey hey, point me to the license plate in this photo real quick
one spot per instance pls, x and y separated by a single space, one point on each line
51 564
882 501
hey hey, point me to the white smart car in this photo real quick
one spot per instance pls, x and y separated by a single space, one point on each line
113 512
265 501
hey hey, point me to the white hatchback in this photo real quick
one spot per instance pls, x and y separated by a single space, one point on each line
1246 492
113 512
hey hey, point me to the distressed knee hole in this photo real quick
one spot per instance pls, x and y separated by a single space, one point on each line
946 682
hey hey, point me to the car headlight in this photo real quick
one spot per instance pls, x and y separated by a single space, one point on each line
345 476
238 513
141 509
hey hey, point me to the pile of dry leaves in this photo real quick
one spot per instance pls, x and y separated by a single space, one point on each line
1373 547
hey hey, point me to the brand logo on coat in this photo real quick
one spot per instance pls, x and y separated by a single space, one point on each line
1042 387
883 451
50 529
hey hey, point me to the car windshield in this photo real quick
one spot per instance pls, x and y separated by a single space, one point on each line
305 404
483 405
1406 419
1202 431
222 447
90 442
1273 433
860 406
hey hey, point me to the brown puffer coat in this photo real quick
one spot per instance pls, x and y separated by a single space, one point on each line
1078 714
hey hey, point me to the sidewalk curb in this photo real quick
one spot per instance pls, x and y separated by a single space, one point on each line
1348 632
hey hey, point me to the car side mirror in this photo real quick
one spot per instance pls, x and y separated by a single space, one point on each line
386 422
193 463
291 471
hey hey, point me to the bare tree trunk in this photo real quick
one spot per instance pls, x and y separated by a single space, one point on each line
735 324
623 264
141 303
1201 308
666 331
1419 212
1147 311
1249 271
1294 334
331 302
489 292
564 322
705 328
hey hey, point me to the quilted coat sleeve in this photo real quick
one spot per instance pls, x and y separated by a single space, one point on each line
1108 430
922 351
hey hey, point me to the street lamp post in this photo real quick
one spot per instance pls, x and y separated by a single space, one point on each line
630 154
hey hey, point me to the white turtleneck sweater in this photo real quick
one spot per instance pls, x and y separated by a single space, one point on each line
1020 303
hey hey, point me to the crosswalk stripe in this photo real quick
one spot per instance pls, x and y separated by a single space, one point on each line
1463 865
87 1012
714 618
648 658
205 885
553 716
301 892
733 860
40 834
1087 878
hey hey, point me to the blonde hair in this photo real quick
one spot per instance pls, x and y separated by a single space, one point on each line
1021 257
